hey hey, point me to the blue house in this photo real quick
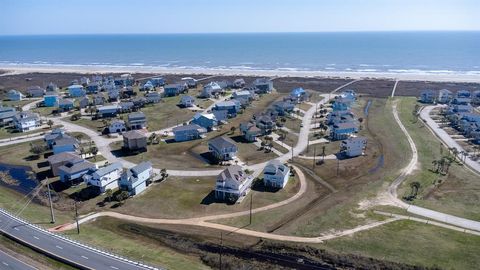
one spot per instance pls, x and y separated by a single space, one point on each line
340 106
15 95
158 81
74 170
283 107
342 131
463 94
93 87
298 95
148 86
188 132
108 111
65 104
50 99
134 180
171 90
64 143
207 121
223 148
231 106
76 90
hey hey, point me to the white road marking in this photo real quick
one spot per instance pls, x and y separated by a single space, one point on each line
113 267
59 247
4 263
16 229
86 258
36 237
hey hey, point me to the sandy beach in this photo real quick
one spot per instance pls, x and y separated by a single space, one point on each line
473 77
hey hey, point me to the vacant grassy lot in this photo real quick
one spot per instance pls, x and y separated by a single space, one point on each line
457 192
192 197
11 132
413 243
105 233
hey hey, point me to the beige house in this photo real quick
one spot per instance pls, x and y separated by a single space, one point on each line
135 140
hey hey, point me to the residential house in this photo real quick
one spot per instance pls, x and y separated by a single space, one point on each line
298 95
239 83
231 106
232 184
187 101
93 87
117 126
224 84
263 85
340 117
134 180
250 131
127 92
84 81
65 104
50 99
349 94
26 121
244 96
191 82
58 160
51 87
104 178
221 116
276 174
113 94
137 120
148 86
107 111
74 169
98 99
188 132
126 106
83 102
15 95
223 148
354 146
283 107
340 105
153 97
64 143
463 94
158 81
139 102
265 123
461 101
444 96
341 131
210 90
207 121
427 96
76 90
171 90
476 97
455 108
6 115
134 140
124 80
35 91
50 137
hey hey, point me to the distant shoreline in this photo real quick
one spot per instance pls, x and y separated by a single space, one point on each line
12 69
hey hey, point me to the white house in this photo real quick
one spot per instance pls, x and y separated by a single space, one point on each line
117 126
26 121
276 174
232 183
104 178
354 146
15 95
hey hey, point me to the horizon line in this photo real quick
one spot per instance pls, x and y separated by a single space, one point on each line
234 33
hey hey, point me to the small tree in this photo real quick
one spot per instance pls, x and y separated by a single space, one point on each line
50 123
163 173
94 152
109 194
122 196
37 149
232 130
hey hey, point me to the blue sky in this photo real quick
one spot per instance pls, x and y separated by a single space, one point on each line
21 17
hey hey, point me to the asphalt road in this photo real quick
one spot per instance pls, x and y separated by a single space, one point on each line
8 262
82 256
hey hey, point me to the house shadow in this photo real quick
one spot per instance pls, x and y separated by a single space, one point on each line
43 164
260 187
59 186
239 139
171 140
125 152
32 158
209 199
341 156
209 158
85 194
43 174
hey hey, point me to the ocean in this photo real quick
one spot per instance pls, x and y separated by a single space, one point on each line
395 52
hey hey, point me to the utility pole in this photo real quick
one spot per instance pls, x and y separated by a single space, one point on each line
50 201
251 202
221 249
76 217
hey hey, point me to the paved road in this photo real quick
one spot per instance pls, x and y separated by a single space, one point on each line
62 248
424 212
443 135
8 262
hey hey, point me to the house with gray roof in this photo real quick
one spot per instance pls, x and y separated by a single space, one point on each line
50 137
223 148
188 132
104 178
134 180
73 170
153 97
353 146
250 131
6 115
341 131
134 140
117 126
108 111
205 120
26 121
65 143
83 102
211 90
137 120
232 184
60 159
276 174
15 95
65 104
187 101
36 91
263 85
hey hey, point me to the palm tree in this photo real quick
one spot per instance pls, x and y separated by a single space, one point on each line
435 164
